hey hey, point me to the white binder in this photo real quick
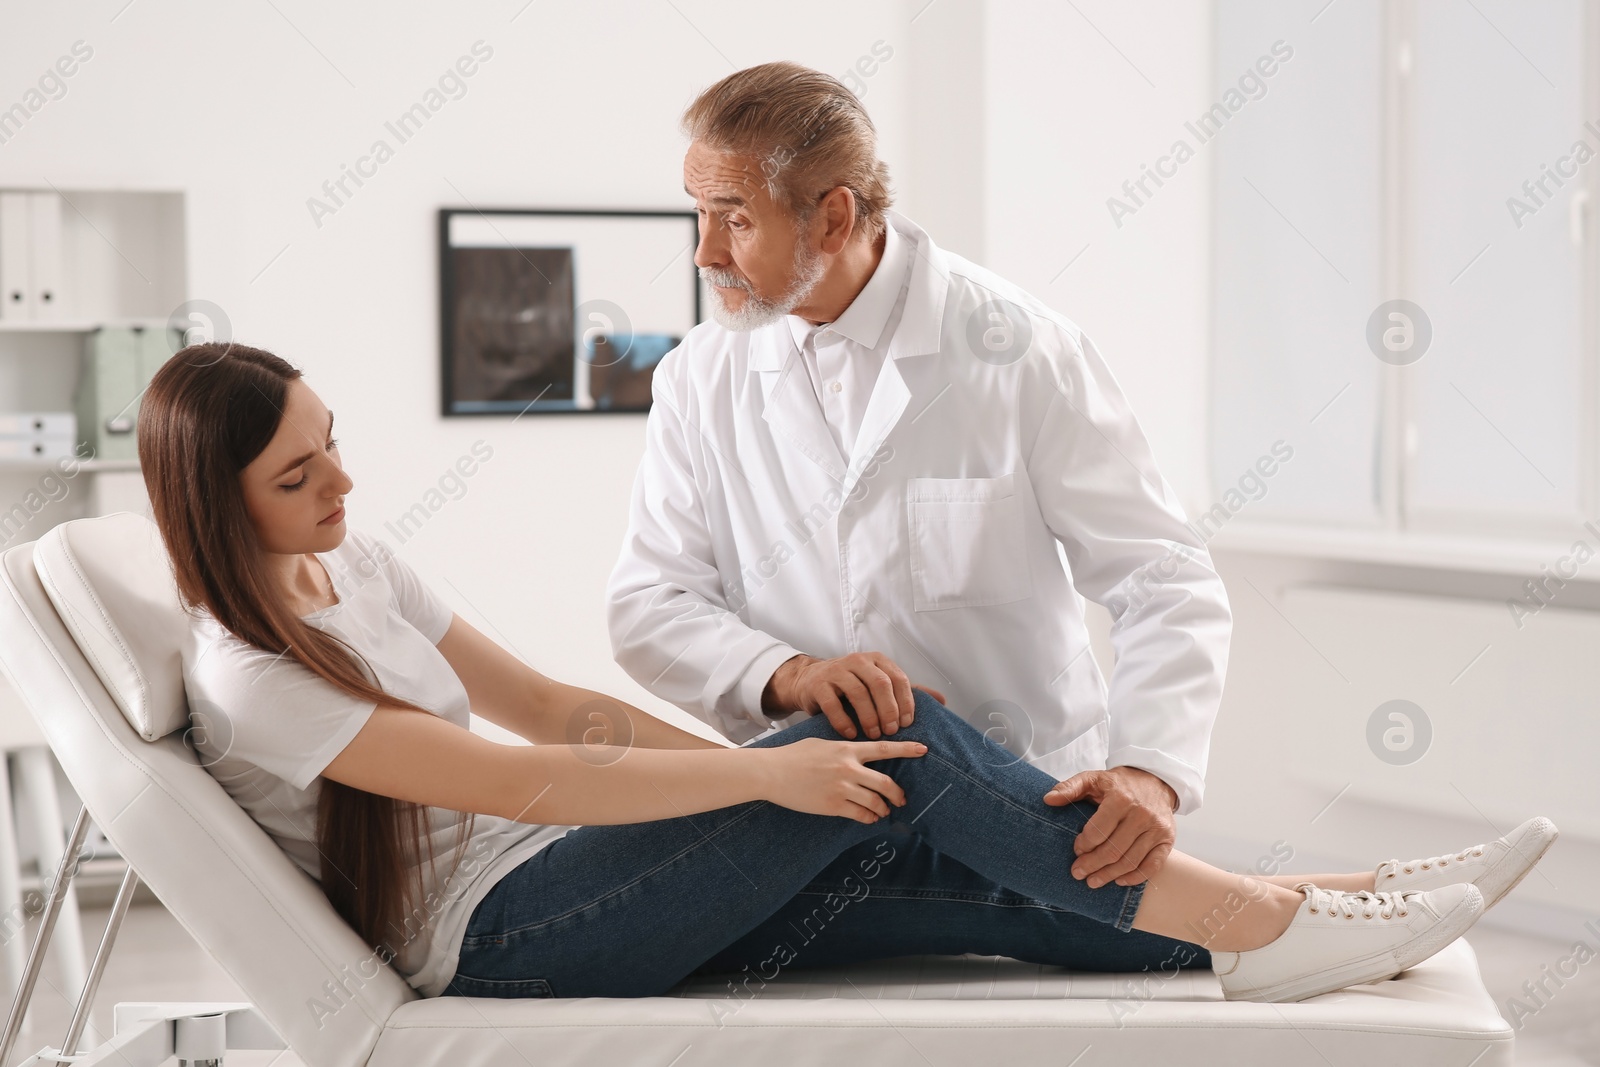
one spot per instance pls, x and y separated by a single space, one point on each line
13 449
16 283
44 245
38 424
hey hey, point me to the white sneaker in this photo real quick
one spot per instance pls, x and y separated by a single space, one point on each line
1341 939
1495 867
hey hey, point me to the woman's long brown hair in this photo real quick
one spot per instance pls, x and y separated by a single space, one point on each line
207 414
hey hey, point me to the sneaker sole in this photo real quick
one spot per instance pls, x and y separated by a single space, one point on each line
1376 967
1540 826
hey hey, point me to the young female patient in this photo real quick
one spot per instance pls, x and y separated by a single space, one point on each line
616 854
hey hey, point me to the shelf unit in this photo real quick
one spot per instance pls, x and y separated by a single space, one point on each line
122 263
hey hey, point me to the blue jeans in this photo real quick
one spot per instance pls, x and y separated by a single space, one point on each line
975 862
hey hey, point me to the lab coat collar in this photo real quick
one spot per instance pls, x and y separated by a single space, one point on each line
791 404
863 321
918 330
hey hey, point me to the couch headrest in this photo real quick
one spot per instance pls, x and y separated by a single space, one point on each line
111 582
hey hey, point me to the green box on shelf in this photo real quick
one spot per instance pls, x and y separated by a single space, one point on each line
118 362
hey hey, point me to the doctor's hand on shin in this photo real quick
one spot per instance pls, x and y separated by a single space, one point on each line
824 777
1128 839
877 690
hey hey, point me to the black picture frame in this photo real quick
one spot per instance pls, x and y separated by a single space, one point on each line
504 304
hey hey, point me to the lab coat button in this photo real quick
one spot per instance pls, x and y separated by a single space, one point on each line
860 616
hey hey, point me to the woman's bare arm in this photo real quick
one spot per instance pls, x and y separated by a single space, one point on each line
417 756
420 757
511 694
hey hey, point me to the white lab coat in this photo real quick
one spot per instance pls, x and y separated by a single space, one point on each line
751 539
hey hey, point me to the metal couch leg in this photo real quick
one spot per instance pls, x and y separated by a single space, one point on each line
47 923
97 966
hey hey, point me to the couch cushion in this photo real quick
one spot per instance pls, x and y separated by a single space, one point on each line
111 582
957 1012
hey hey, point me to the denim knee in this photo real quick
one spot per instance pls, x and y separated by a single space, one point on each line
923 702
932 720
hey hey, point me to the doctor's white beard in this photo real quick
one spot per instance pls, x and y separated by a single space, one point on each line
758 312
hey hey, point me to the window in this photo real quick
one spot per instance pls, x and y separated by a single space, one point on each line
1428 152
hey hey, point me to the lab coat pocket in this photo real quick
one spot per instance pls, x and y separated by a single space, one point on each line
967 547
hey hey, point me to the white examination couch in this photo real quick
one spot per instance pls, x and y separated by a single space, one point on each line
88 625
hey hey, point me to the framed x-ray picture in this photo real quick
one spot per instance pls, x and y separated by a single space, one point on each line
561 311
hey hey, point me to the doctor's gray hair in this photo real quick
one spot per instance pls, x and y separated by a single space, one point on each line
809 131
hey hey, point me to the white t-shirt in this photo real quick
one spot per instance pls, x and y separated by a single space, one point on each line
266 728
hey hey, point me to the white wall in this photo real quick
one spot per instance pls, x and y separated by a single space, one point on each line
947 120
1079 97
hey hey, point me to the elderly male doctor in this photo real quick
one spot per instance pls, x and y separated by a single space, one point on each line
857 476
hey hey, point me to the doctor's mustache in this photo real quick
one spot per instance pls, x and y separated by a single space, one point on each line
725 279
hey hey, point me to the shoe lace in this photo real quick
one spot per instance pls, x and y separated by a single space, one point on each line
1386 905
1390 867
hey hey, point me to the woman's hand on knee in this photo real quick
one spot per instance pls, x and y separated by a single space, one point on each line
823 777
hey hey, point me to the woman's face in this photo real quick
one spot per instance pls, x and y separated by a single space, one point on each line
294 490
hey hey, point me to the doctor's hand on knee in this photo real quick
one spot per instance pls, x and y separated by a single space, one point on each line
874 686
1128 839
